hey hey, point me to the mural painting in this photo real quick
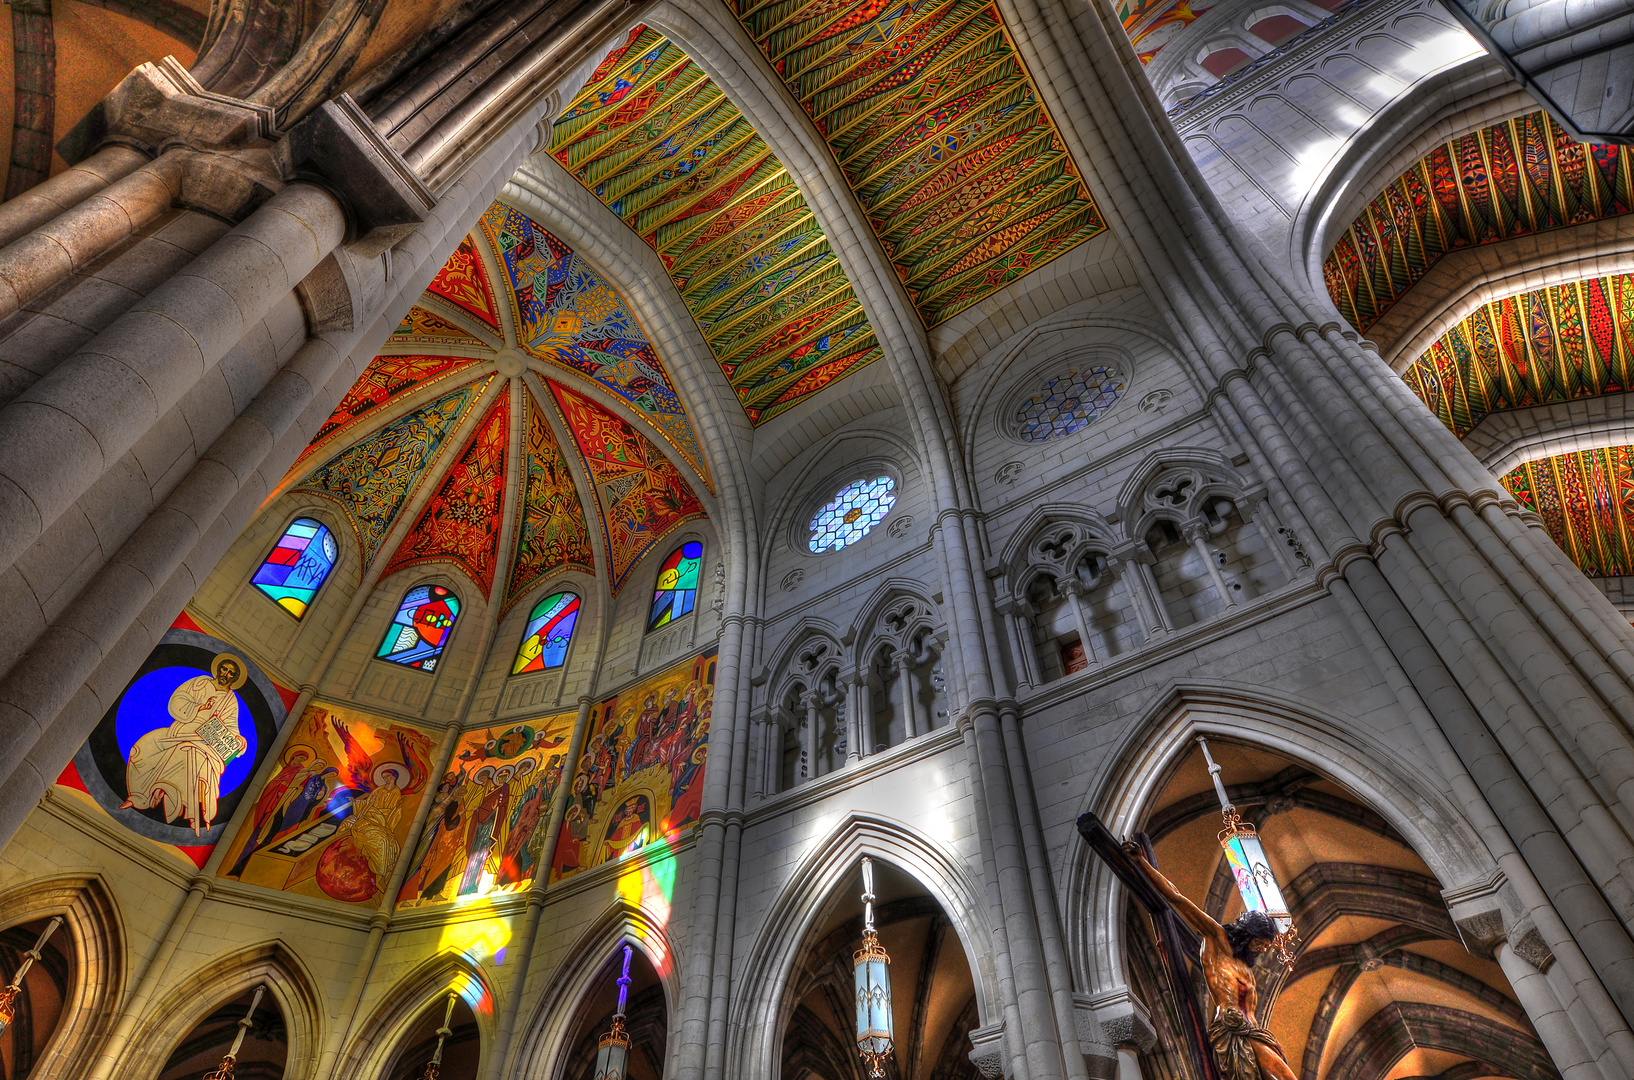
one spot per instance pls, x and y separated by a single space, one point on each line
172 756
486 829
332 821
641 774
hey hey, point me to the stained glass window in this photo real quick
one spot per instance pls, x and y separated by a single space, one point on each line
421 627
1069 403
677 587
298 565
549 631
854 510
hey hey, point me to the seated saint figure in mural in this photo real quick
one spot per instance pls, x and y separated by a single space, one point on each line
372 826
179 767
1243 1048
627 830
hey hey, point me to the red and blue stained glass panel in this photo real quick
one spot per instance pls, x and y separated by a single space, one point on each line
421 627
677 588
298 566
548 634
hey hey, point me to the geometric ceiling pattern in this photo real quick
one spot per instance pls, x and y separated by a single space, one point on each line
657 141
939 131
1151 24
550 531
1586 500
1524 175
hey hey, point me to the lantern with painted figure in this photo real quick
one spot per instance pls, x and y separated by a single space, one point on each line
1251 869
873 972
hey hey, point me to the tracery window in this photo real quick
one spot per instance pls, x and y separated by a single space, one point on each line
420 628
676 590
852 513
548 634
297 566
1069 403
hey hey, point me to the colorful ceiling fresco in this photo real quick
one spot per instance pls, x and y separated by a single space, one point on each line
464 282
550 532
1586 501
940 132
1535 348
372 479
1523 176
641 497
385 378
656 140
421 328
461 522
569 316
1152 24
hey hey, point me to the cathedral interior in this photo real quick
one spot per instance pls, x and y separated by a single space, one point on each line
754 539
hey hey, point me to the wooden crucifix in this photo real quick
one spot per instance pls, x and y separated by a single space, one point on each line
1177 943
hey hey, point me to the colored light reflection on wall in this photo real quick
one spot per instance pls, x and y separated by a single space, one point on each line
480 939
474 992
648 882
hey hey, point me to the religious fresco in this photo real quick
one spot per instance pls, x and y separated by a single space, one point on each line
640 776
641 496
1586 501
373 478
1534 348
1522 176
569 316
332 821
460 523
655 139
420 328
551 532
937 126
463 281
385 378
173 755
486 830
1152 24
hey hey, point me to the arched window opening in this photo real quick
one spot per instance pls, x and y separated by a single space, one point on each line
1108 610
38 1007
1382 981
1069 402
1278 28
887 725
297 566
260 1057
676 591
933 993
851 514
1239 549
548 634
1057 641
1185 583
461 1050
420 629
646 1019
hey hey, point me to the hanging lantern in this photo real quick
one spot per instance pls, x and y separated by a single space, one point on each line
8 996
224 1071
435 1065
613 1051
1252 870
873 972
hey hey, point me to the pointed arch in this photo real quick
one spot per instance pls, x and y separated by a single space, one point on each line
92 922
377 1040
761 1006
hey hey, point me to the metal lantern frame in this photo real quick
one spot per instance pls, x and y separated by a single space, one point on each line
8 994
875 1030
613 1050
1251 869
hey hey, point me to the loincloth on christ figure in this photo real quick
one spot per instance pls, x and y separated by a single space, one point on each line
1232 1036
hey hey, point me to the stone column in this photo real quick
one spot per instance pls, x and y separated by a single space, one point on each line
808 738
1196 533
1264 520
861 717
1134 575
910 703
1075 596
1021 643
1553 1023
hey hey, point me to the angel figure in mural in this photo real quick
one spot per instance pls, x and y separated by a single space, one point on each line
1244 1049
179 767
359 863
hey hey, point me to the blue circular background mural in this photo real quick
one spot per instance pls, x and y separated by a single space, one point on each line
144 707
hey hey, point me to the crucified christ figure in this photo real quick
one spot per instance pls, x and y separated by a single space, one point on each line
1243 1049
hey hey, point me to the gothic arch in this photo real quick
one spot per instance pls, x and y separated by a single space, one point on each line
761 1007
92 922
194 995
1122 789
543 1045
864 634
1091 531
377 1040
1210 475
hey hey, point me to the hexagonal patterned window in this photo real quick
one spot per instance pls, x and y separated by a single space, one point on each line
1069 403
854 510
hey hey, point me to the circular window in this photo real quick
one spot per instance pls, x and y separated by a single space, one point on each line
1069 403
851 513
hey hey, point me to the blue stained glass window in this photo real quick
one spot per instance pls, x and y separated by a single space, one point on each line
421 627
1069 403
676 590
298 566
548 634
854 510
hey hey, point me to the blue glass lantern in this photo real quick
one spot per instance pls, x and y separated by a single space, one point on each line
613 1051
873 972
1245 855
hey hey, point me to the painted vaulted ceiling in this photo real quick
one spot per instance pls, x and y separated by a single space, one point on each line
655 139
431 429
941 134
